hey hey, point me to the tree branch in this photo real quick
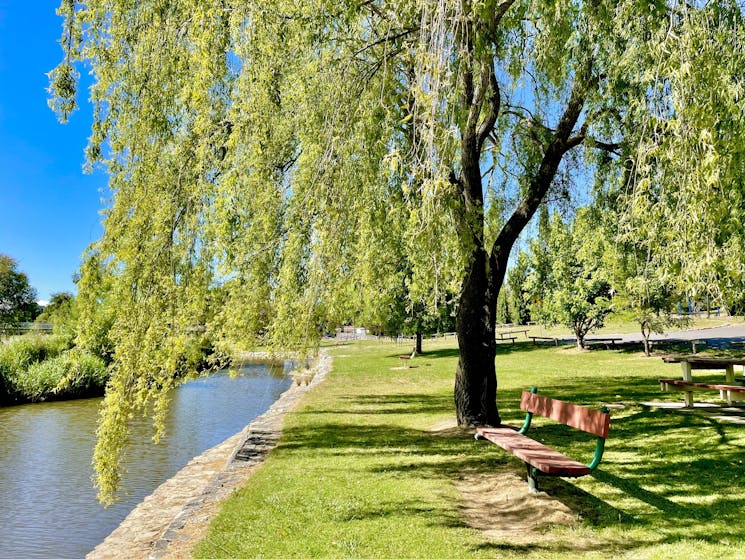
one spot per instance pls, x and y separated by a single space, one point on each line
494 100
560 142
610 147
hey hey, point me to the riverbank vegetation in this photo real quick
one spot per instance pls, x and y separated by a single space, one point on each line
372 465
37 368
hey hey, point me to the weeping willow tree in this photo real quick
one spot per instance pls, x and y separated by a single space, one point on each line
279 168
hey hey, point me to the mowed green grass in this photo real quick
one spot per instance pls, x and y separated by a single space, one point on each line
359 472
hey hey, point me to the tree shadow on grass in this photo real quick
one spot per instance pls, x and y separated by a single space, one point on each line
388 404
441 353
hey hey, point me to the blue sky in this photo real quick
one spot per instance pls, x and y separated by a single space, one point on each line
49 209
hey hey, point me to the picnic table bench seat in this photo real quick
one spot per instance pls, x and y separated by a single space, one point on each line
727 392
541 458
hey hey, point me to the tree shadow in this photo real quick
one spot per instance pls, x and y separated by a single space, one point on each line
444 353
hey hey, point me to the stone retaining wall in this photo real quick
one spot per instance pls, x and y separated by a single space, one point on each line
168 522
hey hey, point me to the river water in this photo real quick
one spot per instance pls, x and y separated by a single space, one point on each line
48 506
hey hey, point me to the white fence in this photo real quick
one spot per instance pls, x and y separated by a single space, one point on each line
26 327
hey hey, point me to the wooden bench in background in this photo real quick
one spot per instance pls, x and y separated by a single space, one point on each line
405 359
509 334
539 457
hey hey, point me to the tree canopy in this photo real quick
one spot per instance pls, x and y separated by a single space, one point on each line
17 297
61 312
278 168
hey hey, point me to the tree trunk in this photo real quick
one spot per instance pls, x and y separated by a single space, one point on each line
476 376
418 346
475 391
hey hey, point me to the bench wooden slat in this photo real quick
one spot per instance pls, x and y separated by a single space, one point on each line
590 421
534 453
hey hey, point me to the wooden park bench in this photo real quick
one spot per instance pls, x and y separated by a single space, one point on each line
405 359
539 457
544 338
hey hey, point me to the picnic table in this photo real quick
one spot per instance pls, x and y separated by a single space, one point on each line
506 334
728 391
688 364
544 338
606 340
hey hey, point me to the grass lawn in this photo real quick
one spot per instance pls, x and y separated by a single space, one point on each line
366 468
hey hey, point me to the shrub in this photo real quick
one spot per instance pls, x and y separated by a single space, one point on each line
199 354
18 354
72 374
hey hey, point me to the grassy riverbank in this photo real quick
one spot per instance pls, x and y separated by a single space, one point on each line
370 466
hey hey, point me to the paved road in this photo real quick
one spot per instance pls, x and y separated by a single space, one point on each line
718 336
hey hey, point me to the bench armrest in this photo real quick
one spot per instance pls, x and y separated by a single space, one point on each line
528 415
599 449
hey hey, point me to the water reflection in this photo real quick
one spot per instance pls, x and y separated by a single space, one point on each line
47 503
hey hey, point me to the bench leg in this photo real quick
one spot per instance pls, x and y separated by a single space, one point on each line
532 479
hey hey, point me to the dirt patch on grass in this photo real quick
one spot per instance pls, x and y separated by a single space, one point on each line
498 503
449 428
500 506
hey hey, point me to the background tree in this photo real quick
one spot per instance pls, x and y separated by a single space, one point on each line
17 297
62 313
264 150
651 304
517 278
569 282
